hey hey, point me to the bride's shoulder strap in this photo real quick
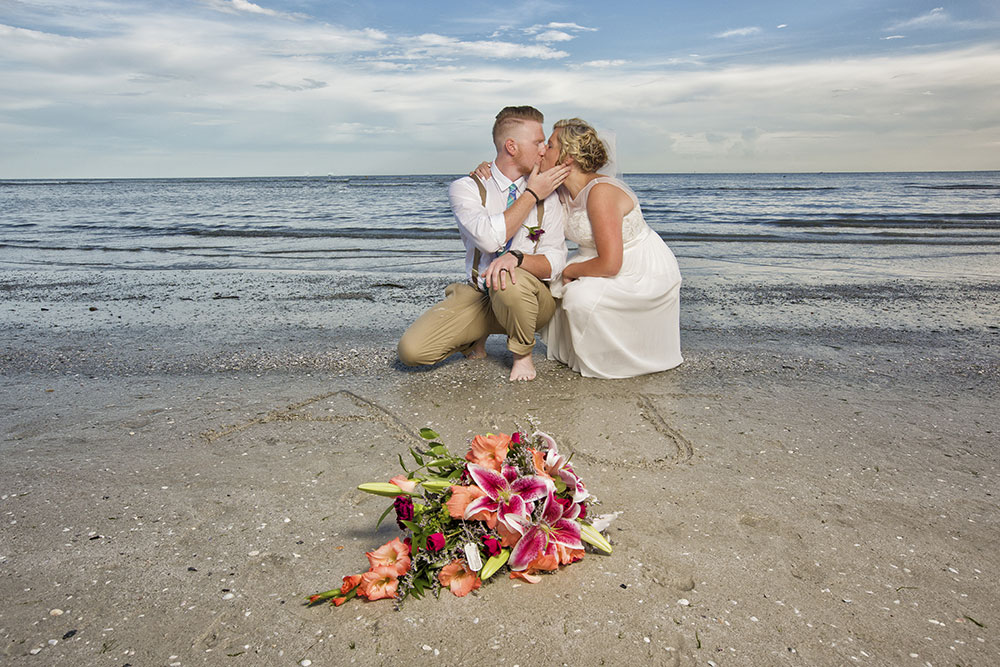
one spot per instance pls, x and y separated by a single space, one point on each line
620 184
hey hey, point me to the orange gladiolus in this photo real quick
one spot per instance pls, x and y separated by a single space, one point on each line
489 451
546 561
543 563
508 537
350 583
538 459
459 578
461 496
378 583
567 555
525 575
394 554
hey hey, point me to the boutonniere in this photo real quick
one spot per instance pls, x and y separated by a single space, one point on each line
535 234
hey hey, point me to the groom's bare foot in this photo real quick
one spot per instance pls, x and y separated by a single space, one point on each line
478 350
523 368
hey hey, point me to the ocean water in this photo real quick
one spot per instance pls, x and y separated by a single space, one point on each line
906 224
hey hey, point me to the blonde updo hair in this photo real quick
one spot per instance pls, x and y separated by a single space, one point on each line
579 141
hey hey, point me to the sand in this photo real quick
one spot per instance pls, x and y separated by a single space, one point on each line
816 485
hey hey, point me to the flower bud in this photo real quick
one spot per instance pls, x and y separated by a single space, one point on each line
436 485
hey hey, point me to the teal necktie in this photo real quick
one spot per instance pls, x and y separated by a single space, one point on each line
511 198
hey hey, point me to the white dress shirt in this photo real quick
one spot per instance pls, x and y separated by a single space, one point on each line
484 227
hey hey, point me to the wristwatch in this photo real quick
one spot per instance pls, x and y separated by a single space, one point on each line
519 255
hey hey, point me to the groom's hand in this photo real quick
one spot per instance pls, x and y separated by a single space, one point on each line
499 271
544 183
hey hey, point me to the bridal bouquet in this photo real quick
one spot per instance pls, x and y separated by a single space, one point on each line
512 502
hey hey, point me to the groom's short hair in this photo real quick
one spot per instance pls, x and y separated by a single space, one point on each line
511 116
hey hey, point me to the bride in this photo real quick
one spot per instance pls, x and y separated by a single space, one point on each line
618 314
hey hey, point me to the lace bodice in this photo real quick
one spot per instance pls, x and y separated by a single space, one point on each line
578 227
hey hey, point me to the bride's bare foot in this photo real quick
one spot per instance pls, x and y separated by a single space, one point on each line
523 368
478 350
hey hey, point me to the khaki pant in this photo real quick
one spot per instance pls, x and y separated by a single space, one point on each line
466 315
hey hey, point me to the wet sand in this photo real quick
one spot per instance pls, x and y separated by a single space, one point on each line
816 484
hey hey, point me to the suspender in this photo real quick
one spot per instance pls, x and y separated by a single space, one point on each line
477 254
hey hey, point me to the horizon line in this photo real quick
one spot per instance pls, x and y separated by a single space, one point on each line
459 175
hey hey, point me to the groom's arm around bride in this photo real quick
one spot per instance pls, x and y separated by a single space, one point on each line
512 229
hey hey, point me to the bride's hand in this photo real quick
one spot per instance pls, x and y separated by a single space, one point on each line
544 183
482 171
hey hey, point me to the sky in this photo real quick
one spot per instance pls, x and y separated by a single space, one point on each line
190 88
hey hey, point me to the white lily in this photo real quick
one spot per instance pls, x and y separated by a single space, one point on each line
602 522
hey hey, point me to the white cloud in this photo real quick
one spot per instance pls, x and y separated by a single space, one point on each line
825 115
245 6
242 94
605 63
347 133
571 26
432 45
895 37
936 16
783 25
738 32
321 40
553 36
574 27
305 84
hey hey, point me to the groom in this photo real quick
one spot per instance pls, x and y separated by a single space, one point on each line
506 262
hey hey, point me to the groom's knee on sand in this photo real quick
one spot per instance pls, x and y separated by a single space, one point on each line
417 347
410 353
450 326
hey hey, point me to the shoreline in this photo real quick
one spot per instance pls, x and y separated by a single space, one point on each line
817 481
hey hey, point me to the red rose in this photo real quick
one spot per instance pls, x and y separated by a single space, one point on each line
492 545
435 542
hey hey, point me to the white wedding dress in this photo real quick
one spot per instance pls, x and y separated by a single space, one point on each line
627 324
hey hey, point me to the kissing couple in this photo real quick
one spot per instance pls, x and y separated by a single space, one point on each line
610 311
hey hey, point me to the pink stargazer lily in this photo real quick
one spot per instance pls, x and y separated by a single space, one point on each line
506 494
557 526
556 464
